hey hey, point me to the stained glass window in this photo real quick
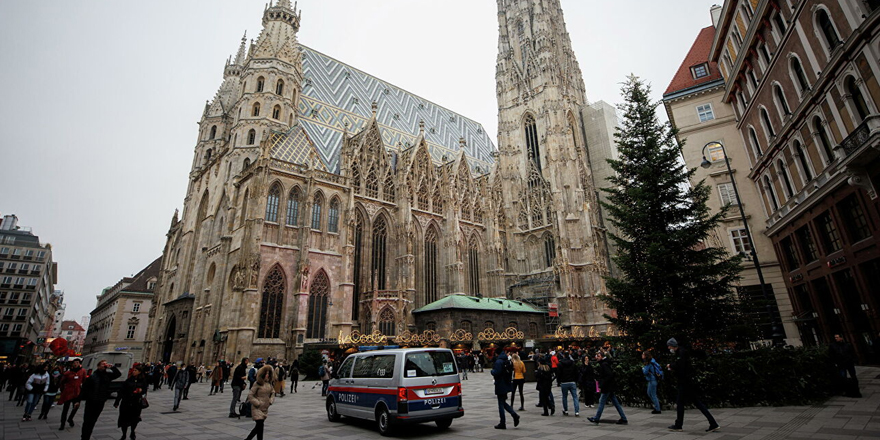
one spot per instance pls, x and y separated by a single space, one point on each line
271 305
430 266
319 294
380 233
272 203
293 207
333 216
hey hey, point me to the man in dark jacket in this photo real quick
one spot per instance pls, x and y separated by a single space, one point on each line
844 357
687 389
607 387
502 371
193 378
568 378
238 377
95 391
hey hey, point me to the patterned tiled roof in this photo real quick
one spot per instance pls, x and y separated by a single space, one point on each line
698 54
474 303
335 94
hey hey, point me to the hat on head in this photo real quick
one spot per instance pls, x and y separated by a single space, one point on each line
258 360
672 342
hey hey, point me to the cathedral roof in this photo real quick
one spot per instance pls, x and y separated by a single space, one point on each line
699 54
459 301
336 95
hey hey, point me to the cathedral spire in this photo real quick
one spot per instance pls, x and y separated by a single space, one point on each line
242 51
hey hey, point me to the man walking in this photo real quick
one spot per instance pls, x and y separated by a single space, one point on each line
238 377
502 371
607 387
294 375
71 386
843 355
687 389
568 377
95 390
179 383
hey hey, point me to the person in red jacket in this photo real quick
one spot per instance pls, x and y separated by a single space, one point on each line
554 366
71 384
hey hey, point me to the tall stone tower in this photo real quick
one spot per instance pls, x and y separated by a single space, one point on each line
548 189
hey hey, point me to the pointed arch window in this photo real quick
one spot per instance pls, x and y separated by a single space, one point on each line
358 258
437 202
430 277
380 235
293 207
532 149
786 179
858 100
372 184
256 111
800 77
272 304
771 193
333 216
213 132
276 112
319 295
478 213
252 137
272 203
279 87
780 98
827 28
822 138
387 324
549 251
474 267
316 212
805 161
260 82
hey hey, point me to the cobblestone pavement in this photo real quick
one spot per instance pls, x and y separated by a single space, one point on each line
302 416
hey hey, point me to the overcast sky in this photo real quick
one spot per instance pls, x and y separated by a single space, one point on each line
102 98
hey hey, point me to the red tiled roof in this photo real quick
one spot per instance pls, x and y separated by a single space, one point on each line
71 325
698 54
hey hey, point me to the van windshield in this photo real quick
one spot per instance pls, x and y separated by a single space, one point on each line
429 363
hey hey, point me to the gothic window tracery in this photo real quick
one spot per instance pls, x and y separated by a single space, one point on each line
319 293
372 184
474 267
356 178
293 207
380 234
438 201
430 276
387 325
333 216
388 191
316 211
549 250
422 196
531 134
272 304
272 203
478 213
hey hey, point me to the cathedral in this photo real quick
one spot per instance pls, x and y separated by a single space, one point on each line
324 202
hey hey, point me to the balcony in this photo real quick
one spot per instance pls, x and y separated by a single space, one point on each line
859 150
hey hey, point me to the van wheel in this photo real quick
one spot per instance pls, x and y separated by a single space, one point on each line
383 421
444 424
332 414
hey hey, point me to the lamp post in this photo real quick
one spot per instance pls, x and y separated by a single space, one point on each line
768 296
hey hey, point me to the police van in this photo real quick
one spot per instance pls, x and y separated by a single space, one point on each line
394 387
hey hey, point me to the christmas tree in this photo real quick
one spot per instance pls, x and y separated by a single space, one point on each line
672 284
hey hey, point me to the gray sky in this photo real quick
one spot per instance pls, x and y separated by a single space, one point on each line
101 98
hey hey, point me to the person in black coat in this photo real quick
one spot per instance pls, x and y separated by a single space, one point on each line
128 400
544 378
588 381
95 390
687 389
607 388
502 371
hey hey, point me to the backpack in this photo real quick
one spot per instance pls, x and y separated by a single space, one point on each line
658 372
321 371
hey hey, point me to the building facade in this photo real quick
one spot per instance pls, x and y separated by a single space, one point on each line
802 79
119 321
323 200
74 334
695 106
27 281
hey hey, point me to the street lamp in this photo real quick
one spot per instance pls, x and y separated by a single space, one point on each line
768 297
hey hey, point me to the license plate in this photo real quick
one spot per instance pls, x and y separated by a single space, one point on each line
432 391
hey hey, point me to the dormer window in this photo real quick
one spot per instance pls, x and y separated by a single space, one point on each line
700 70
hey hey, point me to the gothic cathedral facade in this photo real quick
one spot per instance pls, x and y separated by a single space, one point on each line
323 200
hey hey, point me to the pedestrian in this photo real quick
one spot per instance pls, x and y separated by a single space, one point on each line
481 360
158 376
686 387
17 378
192 372
462 366
325 373
568 380
170 374
554 365
227 373
71 387
216 379
588 381
252 372
37 385
95 390
544 379
607 388
519 380
200 373
261 397
844 356
238 377
653 373
131 401
49 397
294 375
179 383
280 375
502 371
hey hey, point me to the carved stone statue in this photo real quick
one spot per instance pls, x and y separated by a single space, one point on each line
238 279
304 279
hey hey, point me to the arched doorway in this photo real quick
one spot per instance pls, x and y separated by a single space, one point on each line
169 340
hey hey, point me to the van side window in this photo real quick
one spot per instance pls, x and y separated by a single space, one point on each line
345 369
429 363
363 366
383 366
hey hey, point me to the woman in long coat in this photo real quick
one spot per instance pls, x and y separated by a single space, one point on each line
128 400
216 379
261 396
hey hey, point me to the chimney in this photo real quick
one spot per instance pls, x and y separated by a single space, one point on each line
715 12
10 222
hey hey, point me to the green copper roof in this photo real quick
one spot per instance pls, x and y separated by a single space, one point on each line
474 303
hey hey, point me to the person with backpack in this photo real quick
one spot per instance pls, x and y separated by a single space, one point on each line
252 373
502 371
607 388
688 391
193 374
325 374
238 377
36 385
280 374
653 373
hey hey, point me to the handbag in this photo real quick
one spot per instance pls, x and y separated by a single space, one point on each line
144 403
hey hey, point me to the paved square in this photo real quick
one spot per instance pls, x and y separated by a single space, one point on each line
302 416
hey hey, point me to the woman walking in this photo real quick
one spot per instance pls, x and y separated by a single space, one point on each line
653 373
130 400
588 382
544 377
51 392
519 380
216 379
261 396
36 385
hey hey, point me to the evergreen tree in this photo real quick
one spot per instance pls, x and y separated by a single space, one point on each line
673 285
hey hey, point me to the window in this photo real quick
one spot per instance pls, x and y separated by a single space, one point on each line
474 267
293 207
271 304
800 77
388 188
780 100
823 139
740 240
430 277
858 100
726 193
316 212
705 112
131 331
756 146
830 234
771 193
790 253
549 251
753 79
276 112
41 255
22 312
700 70
765 53
466 326
358 261
532 149
260 82
430 363
333 217
533 330
372 184
380 234
213 132
804 160
272 203
279 87
7 280
10 311
856 222
807 244
256 111
779 23
252 137
827 28
765 118
387 324
319 293
786 178
378 366
16 329
4 251
489 324
32 281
